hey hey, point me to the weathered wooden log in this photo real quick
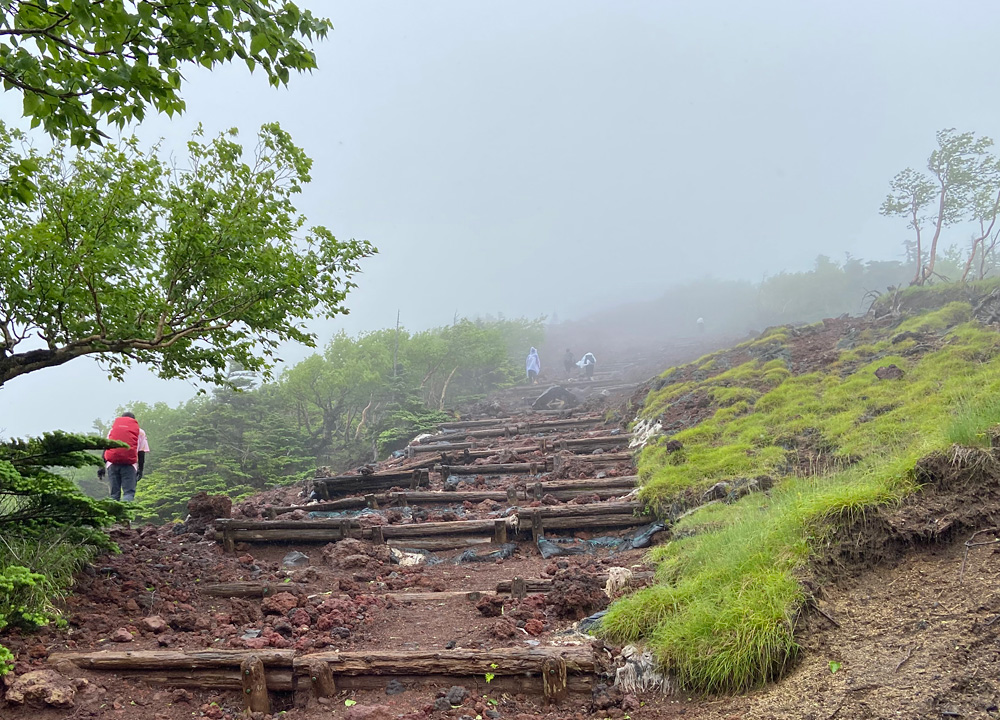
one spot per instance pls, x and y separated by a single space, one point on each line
604 457
587 510
171 659
531 585
570 423
488 452
563 490
455 542
518 588
433 529
381 479
210 678
349 503
443 596
475 684
412 450
321 680
499 661
554 680
241 524
552 486
466 424
575 444
541 585
592 522
246 589
533 468
283 681
341 485
255 698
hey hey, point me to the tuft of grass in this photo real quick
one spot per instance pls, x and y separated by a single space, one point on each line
721 617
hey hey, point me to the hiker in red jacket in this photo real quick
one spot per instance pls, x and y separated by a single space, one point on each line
124 465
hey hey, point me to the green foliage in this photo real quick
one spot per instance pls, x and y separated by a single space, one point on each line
836 441
962 184
122 256
78 62
364 397
34 499
48 529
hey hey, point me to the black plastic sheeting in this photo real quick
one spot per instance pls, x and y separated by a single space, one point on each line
506 551
643 537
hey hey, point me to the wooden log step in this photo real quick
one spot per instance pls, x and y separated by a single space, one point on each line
246 589
349 503
514 429
533 468
432 529
476 684
507 661
341 485
589 483
240 524
400 476
466 424
412 450
455 542
546 444
171 659
604 457
211 678
284 681
587 510
442 497
442 596
571 423
591 522
541 585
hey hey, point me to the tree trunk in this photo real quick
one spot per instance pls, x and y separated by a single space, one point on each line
444 390
932 253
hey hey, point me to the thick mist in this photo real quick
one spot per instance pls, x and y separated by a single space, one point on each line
620 168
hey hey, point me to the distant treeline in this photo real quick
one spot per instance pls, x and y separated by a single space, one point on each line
365 396
737 308
362 398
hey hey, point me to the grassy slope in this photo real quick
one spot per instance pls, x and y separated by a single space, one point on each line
721 615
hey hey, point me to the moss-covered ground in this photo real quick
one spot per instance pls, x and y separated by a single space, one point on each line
835 440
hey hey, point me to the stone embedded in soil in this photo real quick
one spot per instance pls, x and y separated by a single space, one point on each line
490 606
41 687
503 629
121 635
394 687
154 624
605 697
351 553
279 604
534 627
575 594
889 372
456 695
295 559
204 509
369 712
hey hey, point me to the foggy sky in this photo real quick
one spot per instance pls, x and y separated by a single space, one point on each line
558 157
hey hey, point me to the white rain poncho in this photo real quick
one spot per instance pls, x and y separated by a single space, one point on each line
532 364
587 359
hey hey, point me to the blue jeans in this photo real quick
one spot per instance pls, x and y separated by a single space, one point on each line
121 479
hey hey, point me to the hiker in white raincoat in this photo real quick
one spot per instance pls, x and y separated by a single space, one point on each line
588 362
533 366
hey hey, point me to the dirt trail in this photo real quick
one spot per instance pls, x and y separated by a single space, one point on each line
900 631
353 595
